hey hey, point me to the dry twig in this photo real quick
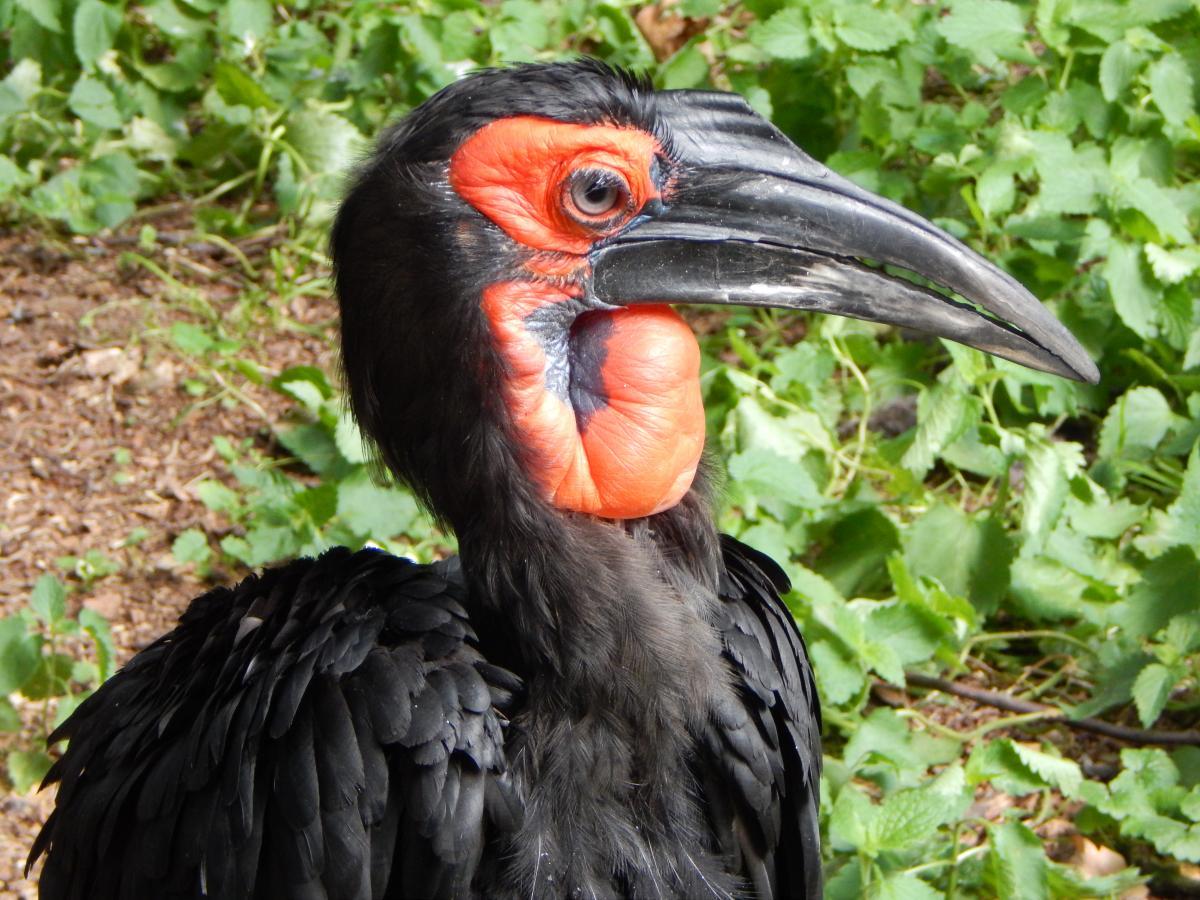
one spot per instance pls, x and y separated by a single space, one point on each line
1016 705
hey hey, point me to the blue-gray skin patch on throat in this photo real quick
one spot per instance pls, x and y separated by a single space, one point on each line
576 346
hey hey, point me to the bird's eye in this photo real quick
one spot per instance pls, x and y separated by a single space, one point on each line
596 194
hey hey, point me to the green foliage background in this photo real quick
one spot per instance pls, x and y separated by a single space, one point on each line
938 511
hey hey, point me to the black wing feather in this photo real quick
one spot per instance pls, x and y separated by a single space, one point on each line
325 729
762 768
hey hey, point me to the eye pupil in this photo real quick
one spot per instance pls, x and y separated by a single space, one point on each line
597 193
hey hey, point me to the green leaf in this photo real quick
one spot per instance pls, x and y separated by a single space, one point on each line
1049 467
884 660
987 29
1110 19
790 435
928 594
326 141
93 102
10 719
319 502
1016 866
1179 523
48 600
313 445
911 817
245 18
183 25
687 68
1190 806
311 374
308 394
1071 178
784 36
371 511
852 815
23 82
46 13
237 88
772 538
975 565
94 28
905 887
913 633
995 190
26 768
51 678
838 677
1114 685
1173 266
1167 589
84 672
1171 88
1135 299
190 62
971 453
854 558
870 28
98 629
349 439
1118 65
20 653
776 478
460 36
523 30
67 705
1156 204
1102 518
883 736
944 412
1135 424
1055 771
996 761
217 496
1151 691
191 339
191 546
263 544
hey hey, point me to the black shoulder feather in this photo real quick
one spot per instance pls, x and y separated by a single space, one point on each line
761 770
325 729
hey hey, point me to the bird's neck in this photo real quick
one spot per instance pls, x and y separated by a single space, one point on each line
575 595
609 624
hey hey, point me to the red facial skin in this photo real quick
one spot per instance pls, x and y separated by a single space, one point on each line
639 451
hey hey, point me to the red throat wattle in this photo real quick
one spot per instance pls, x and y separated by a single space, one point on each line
610 411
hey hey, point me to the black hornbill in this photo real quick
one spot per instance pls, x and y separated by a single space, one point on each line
601 696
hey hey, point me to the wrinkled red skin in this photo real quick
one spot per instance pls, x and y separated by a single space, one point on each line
639 451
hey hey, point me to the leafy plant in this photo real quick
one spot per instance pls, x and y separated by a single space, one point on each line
941 515
333 499
38 666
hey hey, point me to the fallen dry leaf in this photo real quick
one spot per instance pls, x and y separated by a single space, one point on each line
1094 860
664 29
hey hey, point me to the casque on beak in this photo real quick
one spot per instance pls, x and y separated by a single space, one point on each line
754 221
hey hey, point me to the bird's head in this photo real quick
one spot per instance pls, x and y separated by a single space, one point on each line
504 262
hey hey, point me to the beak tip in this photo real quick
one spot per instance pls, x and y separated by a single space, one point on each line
1089 373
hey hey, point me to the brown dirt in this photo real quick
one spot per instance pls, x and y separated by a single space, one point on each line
85 369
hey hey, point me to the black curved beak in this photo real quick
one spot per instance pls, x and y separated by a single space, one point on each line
752 220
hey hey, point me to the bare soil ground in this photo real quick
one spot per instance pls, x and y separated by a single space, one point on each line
85 371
